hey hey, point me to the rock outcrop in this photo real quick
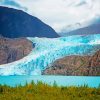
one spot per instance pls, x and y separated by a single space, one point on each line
13 49
76 65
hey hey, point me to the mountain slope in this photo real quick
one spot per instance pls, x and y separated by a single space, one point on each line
92 29
76 65
14 49
16 23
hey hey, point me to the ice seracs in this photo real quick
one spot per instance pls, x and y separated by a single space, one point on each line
47 50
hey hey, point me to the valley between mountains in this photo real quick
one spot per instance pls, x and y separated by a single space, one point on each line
28 46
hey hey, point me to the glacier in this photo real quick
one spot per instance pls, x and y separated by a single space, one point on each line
47 50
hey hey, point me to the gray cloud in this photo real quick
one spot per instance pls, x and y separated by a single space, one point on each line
12 3
59 13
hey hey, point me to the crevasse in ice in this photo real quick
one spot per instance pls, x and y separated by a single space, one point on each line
48 50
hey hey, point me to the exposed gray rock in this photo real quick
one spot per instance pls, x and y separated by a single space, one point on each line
76 65
13 49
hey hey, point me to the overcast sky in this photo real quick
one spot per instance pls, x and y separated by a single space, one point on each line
58 13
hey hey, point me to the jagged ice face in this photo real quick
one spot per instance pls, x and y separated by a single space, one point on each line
48 50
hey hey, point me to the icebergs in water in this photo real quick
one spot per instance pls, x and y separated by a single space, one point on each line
47 50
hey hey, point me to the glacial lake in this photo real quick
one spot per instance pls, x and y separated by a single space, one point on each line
91 81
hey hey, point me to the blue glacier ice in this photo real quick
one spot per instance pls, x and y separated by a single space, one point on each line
48 50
